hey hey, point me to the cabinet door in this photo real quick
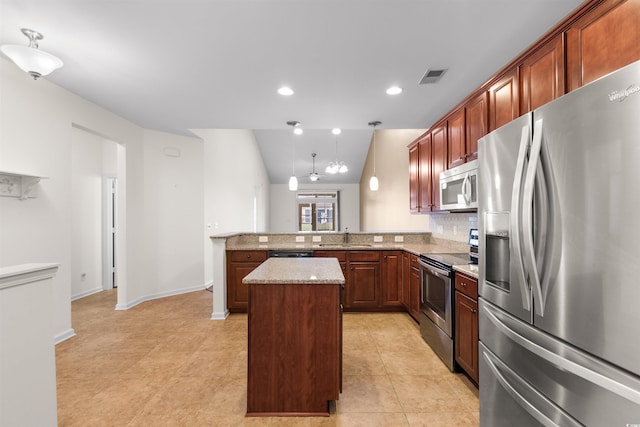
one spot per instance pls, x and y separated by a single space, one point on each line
392 278
605 39
466 335
477 125
542 75
414 176
364 285
438 162
457 147
503 100
406 271
425 201
414 284
238 292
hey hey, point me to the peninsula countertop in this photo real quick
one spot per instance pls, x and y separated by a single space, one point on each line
303 271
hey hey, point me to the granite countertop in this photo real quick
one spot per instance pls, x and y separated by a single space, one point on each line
303 271
414 248
470 270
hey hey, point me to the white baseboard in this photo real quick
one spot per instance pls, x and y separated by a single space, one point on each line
86 293
63 336
219 315
137 301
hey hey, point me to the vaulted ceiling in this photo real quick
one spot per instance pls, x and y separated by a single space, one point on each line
175 65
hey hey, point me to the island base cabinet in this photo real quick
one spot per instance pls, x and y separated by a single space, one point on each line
294 349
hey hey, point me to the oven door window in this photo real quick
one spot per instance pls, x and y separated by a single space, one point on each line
436 294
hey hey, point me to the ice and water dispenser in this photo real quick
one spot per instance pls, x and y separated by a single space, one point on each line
497 257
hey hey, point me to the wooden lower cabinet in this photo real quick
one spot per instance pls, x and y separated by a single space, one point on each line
392 278
411 285
294 353
363 285
466 325
374 279
239 264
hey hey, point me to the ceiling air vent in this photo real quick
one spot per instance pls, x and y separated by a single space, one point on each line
433 76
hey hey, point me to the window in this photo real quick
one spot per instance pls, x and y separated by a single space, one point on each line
317 211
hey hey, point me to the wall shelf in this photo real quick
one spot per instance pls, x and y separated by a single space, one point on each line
19 185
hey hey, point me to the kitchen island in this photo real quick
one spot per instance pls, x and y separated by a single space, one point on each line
294 336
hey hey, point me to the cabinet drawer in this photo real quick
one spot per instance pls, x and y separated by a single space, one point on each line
414 261
364 255
246 256
341 255
467 285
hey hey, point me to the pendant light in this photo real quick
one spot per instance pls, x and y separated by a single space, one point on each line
374 184
29 58
293 181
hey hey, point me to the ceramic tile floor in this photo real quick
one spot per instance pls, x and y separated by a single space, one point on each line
165 363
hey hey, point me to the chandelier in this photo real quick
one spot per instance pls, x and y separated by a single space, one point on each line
337 166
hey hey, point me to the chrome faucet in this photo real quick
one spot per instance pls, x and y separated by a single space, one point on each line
346 235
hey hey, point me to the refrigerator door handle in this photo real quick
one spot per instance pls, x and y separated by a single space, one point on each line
543 410
516 227
527 219
581 370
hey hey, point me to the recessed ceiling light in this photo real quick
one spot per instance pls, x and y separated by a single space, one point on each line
336 131
394 90
285 91
298 131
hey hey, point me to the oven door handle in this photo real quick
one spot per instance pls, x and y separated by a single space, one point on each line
434 270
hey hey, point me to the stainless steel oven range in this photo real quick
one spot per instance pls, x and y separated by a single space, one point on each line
436 302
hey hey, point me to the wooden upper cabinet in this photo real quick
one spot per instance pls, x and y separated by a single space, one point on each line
605 39
438 162
542 75
477 112
425 179
503 100
457 147
414 176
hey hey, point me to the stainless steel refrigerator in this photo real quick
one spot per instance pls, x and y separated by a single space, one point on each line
559 272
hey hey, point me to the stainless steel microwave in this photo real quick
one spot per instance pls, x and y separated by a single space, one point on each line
459 188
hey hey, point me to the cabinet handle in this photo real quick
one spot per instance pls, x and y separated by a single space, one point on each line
464 285
248 256
474 311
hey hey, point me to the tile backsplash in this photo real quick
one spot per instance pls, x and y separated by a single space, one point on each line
452 226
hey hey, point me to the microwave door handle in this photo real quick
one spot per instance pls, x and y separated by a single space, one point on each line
516 205
466 188
527 219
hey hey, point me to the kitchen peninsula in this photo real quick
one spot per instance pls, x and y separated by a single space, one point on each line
294 336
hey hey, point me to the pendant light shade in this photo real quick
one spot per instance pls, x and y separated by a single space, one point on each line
29 58
374 184
293 181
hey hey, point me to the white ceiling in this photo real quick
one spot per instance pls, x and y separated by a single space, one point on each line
175 65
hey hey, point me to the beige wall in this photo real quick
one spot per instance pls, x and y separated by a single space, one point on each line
388 208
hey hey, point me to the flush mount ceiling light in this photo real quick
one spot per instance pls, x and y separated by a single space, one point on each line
29 58
337 166
293 181
285 91
394 90
374 184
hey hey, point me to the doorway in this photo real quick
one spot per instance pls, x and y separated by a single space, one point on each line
110 278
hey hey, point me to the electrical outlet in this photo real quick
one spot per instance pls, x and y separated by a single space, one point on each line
263 239
377 239
398 239
299 239
317 239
